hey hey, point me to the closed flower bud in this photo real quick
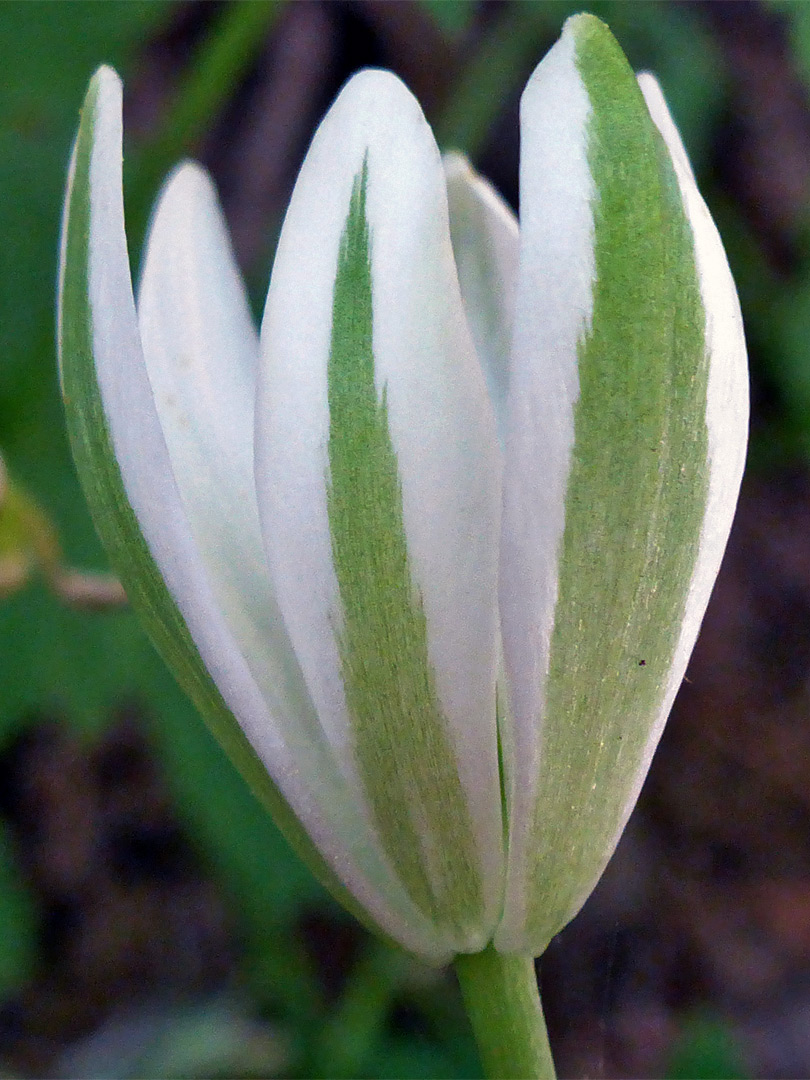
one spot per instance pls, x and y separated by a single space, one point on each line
431 552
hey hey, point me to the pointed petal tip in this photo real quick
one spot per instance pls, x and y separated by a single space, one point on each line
371 81
188 194
375 93
557 70
106 75
187 181
456 164
647 78
102 126
589 38
582 22
106 87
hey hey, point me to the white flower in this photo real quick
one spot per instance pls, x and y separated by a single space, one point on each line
431 553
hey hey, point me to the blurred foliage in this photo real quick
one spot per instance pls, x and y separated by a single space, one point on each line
29 544
706 1050
61 661
18 922
213 1039
781 305
208 80
453 16
797 16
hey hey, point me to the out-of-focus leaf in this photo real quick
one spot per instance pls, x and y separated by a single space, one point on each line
797 15
213 1039
706 1050
355 1025
29 543
18 922
420 1059
788 359
453 16
207 82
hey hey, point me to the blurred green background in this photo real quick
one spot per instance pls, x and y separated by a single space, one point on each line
152 921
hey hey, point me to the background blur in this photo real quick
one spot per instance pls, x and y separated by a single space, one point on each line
152 921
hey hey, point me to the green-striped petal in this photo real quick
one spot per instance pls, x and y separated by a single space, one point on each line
485 246
378 473
615 445
161 535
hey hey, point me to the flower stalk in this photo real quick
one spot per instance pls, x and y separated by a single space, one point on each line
503 1003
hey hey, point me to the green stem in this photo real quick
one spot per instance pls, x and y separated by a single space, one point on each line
503 1004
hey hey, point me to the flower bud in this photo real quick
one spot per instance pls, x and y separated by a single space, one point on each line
430 553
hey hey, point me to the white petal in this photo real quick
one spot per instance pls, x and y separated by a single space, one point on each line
440 424
322 804
201 351
553 311
726 393
485 245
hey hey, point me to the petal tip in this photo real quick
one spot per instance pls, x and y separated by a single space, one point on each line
376 92
372 80
106 73
188 181
457 165
106 84
584 22
646 79
591 38
556 69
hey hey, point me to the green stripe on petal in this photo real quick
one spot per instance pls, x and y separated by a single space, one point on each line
635 500
406 761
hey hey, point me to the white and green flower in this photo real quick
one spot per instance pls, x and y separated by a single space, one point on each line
432 551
